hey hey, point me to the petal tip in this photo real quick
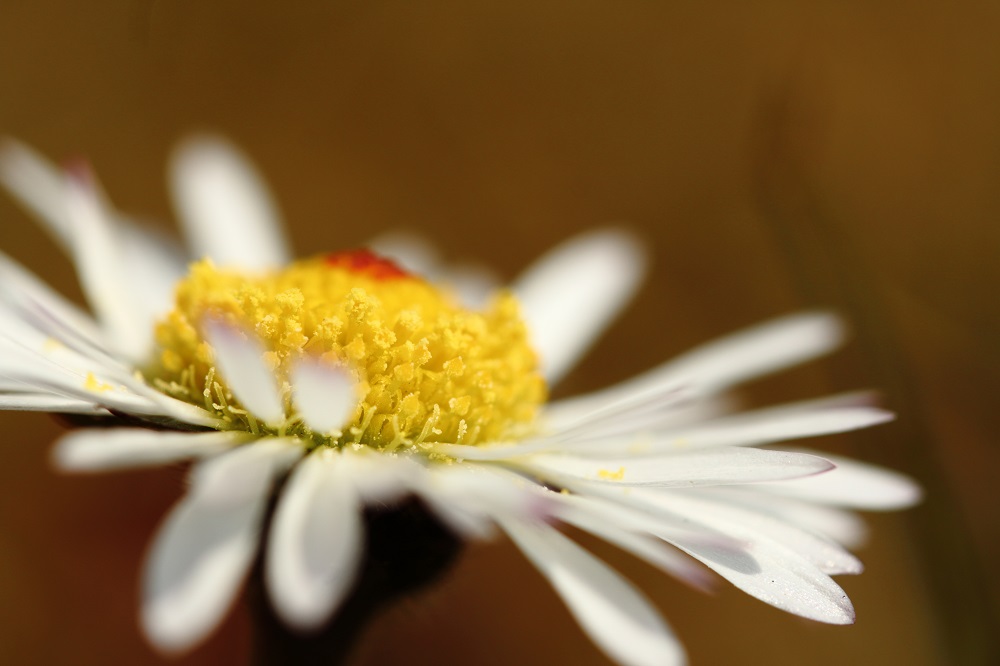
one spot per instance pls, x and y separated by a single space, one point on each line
167 630
65 456
325 395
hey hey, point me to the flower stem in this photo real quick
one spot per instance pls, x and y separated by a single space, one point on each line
407 549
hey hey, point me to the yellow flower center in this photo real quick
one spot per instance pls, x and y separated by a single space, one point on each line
428 369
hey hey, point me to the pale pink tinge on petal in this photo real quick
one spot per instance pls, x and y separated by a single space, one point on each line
239 356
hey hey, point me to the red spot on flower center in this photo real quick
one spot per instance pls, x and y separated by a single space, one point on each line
365 262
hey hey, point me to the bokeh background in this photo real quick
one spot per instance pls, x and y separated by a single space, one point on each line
774 155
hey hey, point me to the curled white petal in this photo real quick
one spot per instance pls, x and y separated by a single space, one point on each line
780 577
199 560
316 540
766 568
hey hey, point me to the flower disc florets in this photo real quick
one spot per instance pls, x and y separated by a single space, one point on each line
428 370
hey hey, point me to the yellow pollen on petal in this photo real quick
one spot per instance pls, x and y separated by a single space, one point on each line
94 385
428 369
608 475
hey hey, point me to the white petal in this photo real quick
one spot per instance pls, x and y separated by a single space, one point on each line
613 505
499 451
36 374
727 512
472 284
766 568
50 368
716 466
613 425
757 351
464 523
776 424
235 476
99 258
720 364
412 252
747 429
206 546
381 479
178 410
315 543
446 493
844 527
570 295
27 347
41 372
325 395
29 330
225 208
38 186
199 560
641 411
469 497
151 260
154 263
781 578
44 308
116 448
634 426
608 522
854 485
616 616
240 359
31 402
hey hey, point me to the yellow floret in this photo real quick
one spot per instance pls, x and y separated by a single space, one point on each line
429 369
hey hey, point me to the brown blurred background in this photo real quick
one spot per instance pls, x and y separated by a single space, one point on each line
775 155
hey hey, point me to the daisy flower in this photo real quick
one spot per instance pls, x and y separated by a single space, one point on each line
370 377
